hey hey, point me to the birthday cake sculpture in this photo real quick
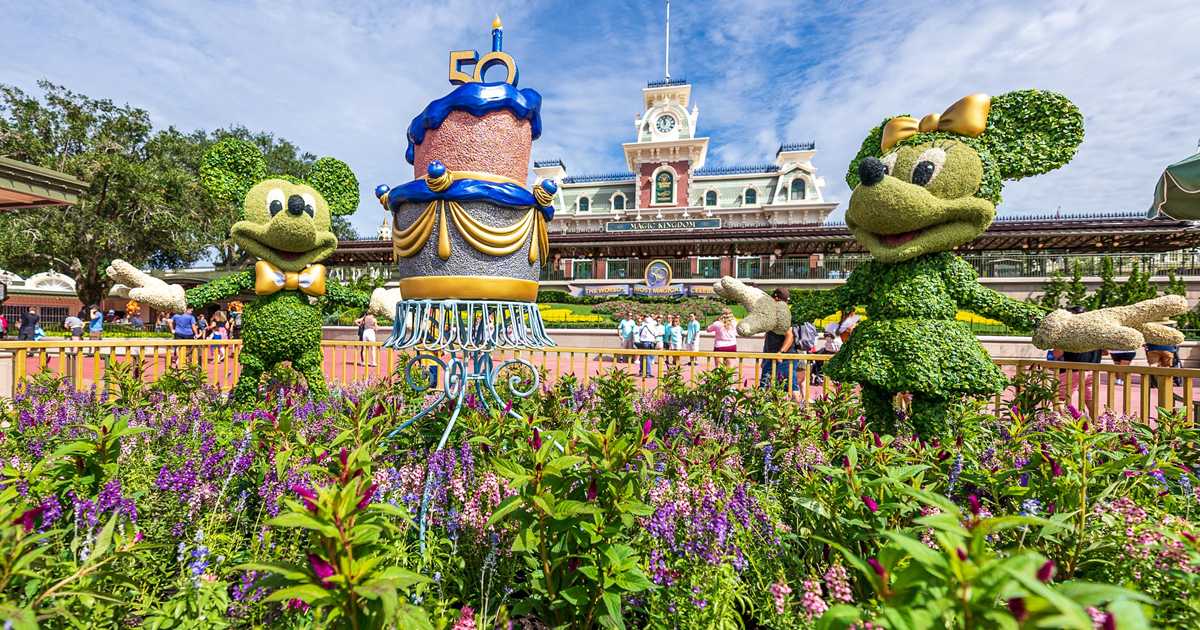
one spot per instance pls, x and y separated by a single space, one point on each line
467 227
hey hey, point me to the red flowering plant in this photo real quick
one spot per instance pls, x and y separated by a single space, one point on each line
349 573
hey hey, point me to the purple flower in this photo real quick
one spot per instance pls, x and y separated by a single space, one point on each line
647 426
591 491
1075 413
962 554
974 502
536 442
26 519
870 503
367 495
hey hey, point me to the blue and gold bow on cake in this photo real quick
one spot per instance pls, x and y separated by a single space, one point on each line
270 279
967 117
442 190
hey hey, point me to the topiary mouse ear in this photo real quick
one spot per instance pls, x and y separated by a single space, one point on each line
1030 132
230 168
336 183
870 148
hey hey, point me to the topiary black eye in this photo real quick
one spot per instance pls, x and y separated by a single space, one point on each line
276 207
309 209
923 172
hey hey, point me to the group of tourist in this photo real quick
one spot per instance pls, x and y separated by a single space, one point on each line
660 331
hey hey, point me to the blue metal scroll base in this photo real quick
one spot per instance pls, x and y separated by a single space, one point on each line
455 339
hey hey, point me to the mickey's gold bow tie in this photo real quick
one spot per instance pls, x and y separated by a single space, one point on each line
967 117
269 279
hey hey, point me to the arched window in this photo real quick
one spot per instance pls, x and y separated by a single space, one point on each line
797 189
584 204
710 198
664 187
618 201
750 197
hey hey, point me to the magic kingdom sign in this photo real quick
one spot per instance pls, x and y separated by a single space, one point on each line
662 225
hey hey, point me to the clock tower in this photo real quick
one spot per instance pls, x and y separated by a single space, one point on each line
666 152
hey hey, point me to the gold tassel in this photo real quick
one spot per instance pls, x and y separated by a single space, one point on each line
443 234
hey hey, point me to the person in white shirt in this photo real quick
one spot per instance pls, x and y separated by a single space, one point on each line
647 336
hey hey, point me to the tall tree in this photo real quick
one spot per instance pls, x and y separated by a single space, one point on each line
1107 293
1076 292
144 202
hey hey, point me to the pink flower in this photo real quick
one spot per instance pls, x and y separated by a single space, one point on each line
466 619
647 426
1045 573
1075 413
870 503
536 442
837 584
814 606
321 568
974 501
591 491
307 496
779 592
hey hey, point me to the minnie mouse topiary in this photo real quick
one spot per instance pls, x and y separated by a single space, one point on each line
287 225
921 189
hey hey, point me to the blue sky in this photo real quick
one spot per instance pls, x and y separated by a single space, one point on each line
344 78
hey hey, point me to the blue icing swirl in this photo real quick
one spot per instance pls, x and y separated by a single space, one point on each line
477 99
500 193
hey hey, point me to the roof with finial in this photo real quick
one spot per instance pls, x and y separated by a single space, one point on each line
496 22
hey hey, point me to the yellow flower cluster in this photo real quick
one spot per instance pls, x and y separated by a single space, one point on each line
565 315
962 316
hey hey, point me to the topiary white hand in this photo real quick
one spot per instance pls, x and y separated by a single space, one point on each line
1116 328
764 312
136 285
383 302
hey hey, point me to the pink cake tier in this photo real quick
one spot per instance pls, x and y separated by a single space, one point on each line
497 142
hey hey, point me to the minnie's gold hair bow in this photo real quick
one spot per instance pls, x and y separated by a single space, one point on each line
966 117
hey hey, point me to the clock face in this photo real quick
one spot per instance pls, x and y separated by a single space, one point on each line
664 123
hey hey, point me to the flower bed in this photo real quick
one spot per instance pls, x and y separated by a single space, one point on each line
692 507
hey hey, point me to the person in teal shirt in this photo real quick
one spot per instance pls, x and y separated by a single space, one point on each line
96 323
693 333
625 332
664 339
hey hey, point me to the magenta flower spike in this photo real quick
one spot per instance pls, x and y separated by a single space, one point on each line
536 442
962 554
1016 606
307 496
1075 413
647 426
367 495
321 568
1045 573
879 570
870 503
26 519
592 491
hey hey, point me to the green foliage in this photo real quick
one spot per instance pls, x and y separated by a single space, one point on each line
1052 294
1107 293
342 537
578 495
336 183
229 169
1137 286
1076 291
1030 132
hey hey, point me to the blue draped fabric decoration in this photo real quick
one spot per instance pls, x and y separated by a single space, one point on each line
500 193
477 99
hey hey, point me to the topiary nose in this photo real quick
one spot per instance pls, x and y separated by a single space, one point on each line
871 171
296 205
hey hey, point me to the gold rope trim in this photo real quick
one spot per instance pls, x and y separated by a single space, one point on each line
493 241
468 288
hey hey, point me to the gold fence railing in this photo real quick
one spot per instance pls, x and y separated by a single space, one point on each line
1137 391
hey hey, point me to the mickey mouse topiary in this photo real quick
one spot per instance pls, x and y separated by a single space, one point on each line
287 225
921 189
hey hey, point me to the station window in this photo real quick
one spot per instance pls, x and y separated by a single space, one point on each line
582 269
618 201
617 268
797 189
708 267
584 204
710 198
749 266
750 197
